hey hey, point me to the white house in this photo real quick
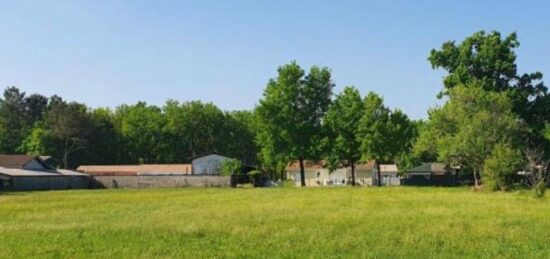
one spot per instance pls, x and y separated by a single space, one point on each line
317 174
209 163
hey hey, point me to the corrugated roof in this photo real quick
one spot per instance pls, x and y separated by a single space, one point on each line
209 153
22 172
429 167
165 168
123 170
70 172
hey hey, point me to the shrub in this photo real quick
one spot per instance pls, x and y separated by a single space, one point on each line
540 189
255 177
231 166
500 167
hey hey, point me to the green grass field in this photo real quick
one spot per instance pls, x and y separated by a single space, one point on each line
277 222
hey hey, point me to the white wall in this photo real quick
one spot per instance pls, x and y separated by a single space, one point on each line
209 164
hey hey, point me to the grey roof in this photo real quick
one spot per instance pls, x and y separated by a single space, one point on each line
22 172
428 168
53 173
209 153
70 172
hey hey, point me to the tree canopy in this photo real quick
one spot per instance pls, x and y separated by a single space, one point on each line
342 120
292 109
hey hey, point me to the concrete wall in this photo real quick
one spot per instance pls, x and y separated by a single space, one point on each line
29 183
160 181
209 164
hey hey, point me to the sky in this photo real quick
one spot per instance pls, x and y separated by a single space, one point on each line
107 53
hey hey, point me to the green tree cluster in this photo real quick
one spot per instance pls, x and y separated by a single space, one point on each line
74 134
493 113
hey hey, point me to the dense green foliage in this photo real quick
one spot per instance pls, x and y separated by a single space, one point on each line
75 134
500 167
291 112
274 222
231 166
342 120
489 105
467 128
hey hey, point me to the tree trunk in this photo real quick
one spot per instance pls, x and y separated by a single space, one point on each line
476 182
65 160
378 172
302 172
352 173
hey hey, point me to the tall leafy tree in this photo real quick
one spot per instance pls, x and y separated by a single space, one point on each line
18 113
12 119
373 131
140 126
489 60
240 134
68 125
384 135
342 120
194 128
104 145
63 133
468 127
292 109
35 106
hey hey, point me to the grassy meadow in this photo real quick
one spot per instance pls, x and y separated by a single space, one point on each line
276 222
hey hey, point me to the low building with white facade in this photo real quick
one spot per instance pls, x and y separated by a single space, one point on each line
208 164
318 174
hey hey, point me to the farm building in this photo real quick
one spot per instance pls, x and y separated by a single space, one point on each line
132 170
317 174
23 173
427 174
208 164
204 171
23 162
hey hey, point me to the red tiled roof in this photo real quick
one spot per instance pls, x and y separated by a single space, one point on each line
127 170
321 164
308 164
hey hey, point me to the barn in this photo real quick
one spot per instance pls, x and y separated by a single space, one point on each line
208 164
25 173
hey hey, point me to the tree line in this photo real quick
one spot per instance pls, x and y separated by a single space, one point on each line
75 134
495 122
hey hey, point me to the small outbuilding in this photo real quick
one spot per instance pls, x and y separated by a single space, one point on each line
25 173
208 164
431 174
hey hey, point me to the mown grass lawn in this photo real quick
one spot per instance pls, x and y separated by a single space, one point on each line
277 222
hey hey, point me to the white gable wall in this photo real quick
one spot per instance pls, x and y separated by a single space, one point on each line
209 164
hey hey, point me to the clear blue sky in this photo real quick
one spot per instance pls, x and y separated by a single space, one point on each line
106 53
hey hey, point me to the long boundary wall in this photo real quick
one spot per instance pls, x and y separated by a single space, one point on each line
160 181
